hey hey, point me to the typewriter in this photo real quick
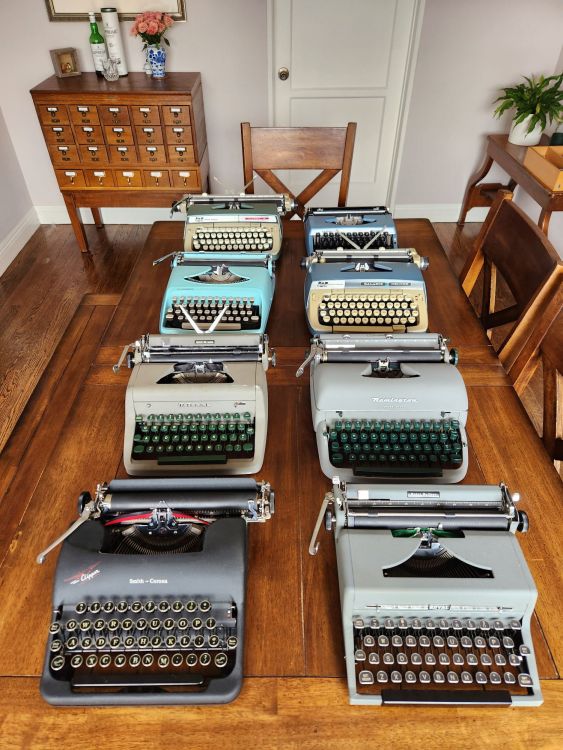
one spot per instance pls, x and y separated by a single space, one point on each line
218 296
366 291
331 228
234 224
196 404
435 593
148 600
388 406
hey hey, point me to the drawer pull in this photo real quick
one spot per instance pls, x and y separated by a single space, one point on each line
72 175
88 130
145 110
123 149
57 130
148 130
151 149
128 174
83 109
184 176
52 110
64 149
114 110
99 174
92 148
175 110
117 130
156 174
178 131
180 149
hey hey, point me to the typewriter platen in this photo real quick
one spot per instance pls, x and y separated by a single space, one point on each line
233 224
435 593
218 296
148 600
196 404
349 228
388 406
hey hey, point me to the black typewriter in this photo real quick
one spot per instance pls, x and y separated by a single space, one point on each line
148 601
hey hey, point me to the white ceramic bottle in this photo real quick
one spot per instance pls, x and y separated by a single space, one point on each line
114 42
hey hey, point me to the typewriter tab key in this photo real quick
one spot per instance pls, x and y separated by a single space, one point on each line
524 650
55 628
56 645
358 623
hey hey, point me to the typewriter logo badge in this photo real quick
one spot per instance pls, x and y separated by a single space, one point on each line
393 400
84 576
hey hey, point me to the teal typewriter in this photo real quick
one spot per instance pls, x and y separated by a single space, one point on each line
436 595
231 296
196 404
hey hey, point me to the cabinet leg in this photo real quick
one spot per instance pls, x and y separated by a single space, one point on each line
76 222
543 221
97 216
471 189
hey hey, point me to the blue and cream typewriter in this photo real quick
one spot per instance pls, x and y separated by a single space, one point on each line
196 404
366 291
388 407
214 296
435 592
349 228
148 599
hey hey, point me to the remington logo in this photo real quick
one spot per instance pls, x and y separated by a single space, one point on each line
393 400
193 405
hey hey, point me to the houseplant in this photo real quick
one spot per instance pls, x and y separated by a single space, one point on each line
537 102
151 26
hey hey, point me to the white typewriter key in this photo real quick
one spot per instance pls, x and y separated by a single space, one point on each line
168 623
515 625
213 641
72 643
80 608
365 677
199 641
369 641
402 623
101 642
524 650
191 660
129 642
472 660
458 660
183 623
76 661
410 641
135 660
466 678
127 624
466 641
494 642
500 660
480 678
402 658
443 624
424 677
358 623
388 623
122 606
185 641
197 623
524 680
108 607
373 658
359 655
438 677
471 625
430 659
486 660
416 658
507 641
410 677
509 678
438 641
136 607
177 660
495 678
163 661
85 625
113 625
164 606
484 625
232 641
388 658
514 660
397 641
55 628
56 645
383 641
57 663
457 624
205 659
480 642
220 660
91 660
424 641
396 677
382 676
105 661
148 660
498 625
452 641
452 677
444 660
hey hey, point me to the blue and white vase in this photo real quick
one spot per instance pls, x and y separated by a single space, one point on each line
157 58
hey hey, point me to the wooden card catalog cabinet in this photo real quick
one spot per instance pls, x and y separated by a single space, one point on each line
131 142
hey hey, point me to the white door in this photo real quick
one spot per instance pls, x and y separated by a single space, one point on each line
347 61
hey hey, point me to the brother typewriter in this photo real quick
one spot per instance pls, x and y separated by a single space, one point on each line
148 599
365 291
234 224
435 593
388 407
349 228
227 295
196 404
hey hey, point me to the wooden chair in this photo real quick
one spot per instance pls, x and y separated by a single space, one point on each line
327 149
551 352
512 244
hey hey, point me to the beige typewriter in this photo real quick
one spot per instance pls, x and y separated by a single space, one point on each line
196 404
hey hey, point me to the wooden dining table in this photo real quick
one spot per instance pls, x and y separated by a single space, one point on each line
294 693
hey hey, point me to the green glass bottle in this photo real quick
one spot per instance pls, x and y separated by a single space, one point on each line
97 45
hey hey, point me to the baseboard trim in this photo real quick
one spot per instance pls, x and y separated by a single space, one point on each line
11 245
59 215
437 212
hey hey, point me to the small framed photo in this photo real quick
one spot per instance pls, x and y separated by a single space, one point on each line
65 62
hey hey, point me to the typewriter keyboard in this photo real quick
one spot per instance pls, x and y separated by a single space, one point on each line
333 240
363 310
385 447
418 654
233 240
193 438
169 644
243 314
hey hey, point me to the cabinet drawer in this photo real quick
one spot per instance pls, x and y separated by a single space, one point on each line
84 114
53 114
93 154
119 135
176 114
58 134
152 154
88 134
181 154
144 115
113 114
122 154
178 134
156 178
128 178
149 134
99 178
70 177
63 154
185 179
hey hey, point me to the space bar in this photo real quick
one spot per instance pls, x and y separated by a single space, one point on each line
220 458
407 471
137 680
445 697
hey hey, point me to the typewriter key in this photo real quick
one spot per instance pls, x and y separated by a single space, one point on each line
127 624
105 661
396 677
480 678
177 660
509 678
156 641
365 677
76 661
56 645
72 643
134 660
424 677
410 677
220 660
524 650
359 655
177 606
115 642
164 606
95 607
91 660
507 642
87 643
80 608
148 660
438 677
388 658
205 659
402 658
155 623
199 641
430 659
191 660
150 606
466 678
57 663
171 641
101 642
232 641
120 660
500 660
191 606
382 676
373 658
197 623
130 642
213 641
168 623
71 626
416 659
136 607
472 660
108 607
444 659
54 628
113 625
143 641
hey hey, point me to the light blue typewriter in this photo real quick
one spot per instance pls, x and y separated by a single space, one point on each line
205 295
349 227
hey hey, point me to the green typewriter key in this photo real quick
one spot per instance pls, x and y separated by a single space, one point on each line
248 447
222 427
138 449
354 437
338 425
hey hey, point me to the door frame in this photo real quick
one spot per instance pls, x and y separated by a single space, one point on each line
412 56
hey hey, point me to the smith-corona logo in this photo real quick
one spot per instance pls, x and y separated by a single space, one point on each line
393 400
84 576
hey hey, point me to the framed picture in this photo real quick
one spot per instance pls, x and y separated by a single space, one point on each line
77 10
65 62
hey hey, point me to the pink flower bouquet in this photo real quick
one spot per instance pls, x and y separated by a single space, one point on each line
151 27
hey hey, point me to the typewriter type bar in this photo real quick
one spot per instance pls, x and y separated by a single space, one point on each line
369 259
349 227
163 624
436 599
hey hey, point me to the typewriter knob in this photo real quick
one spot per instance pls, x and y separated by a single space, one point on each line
329 519
83 499
523 522
454 356
272 357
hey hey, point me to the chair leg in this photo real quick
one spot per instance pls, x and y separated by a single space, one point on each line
549 406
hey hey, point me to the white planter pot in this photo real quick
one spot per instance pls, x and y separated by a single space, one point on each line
520 137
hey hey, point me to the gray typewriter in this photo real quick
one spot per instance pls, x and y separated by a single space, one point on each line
388 407
196 404
148 599
435 593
